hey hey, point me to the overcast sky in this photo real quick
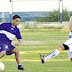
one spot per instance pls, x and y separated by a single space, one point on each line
33 5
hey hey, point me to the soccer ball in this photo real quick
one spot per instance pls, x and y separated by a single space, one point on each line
2 66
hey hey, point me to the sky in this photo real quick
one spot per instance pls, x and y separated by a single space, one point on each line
33 5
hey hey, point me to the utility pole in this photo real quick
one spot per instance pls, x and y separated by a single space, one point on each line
11 9
61 9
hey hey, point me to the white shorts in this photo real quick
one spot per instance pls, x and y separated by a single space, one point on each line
69 54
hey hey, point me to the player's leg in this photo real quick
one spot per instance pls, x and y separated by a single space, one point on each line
18 58
17 55
2 49
53 54
2 53
65 46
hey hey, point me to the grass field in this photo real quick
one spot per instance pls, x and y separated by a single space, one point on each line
48 40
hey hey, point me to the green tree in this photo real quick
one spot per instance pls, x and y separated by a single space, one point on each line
55 16
65 15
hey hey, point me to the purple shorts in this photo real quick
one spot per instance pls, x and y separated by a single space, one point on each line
4 46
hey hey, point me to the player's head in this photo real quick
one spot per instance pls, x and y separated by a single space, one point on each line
15 20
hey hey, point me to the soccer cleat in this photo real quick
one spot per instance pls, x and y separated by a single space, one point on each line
20 68
42 58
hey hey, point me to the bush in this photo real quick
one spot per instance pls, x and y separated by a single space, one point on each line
55 16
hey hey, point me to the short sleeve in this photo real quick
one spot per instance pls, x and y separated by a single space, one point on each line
18 35
2 26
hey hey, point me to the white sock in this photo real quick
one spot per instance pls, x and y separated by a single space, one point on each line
51 55
19 64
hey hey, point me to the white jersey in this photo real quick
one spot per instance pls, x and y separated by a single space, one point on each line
69 44
70 35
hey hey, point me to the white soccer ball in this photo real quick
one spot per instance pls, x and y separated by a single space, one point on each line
2 66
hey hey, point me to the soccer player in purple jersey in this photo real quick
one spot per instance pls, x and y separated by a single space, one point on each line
67 45
7 33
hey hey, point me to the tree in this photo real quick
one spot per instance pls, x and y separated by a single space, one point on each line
55 16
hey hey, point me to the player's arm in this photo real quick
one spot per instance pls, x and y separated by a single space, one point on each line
19 42
19 38
70 24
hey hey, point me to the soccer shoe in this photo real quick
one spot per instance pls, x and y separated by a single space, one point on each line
20 68
42 58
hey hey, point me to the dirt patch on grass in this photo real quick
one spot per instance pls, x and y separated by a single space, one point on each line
31 42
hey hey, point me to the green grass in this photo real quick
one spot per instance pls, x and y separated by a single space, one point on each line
50 66
52 37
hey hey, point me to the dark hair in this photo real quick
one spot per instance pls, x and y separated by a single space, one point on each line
16 16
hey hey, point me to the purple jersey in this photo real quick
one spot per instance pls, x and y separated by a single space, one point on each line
8 32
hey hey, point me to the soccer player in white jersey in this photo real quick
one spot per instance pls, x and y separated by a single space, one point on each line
7 33
67 45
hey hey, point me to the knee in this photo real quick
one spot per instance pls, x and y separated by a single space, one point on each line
16 50
60 48
71 59
3 53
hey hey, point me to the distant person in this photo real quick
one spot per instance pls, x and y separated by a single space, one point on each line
7 33
67 45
